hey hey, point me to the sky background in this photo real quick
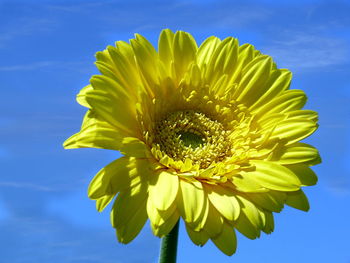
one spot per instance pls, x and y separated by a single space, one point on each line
46 56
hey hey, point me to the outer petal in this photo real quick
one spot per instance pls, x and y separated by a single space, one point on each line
271 201
278 82
288 101
129 212
102 202
304 173
147 59
253 83
129 215
165 48
185 49
226 241
248 184
249 222
162 222
298 200
292 130
108 103
246 53
252 213
123 173
206 50
81 96
214 222
197 237
296 153
222 61
95 133
269 223
134 147
163 190
273 176
124 67
167 226
192 204
224 201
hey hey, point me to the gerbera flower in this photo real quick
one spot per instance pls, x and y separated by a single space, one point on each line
209 134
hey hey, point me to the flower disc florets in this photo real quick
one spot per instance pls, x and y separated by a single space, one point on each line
192 135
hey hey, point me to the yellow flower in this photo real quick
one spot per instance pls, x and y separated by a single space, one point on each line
209 134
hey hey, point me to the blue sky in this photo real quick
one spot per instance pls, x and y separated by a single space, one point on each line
47 53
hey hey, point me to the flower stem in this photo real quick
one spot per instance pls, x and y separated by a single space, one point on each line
169 246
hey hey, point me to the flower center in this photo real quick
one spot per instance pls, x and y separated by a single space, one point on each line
190 139
192 135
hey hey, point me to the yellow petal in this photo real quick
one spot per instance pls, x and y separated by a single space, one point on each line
165 48
163 190
253 83
162 222
245 55
303 114
293 130
269 224
222 61
206 50
197 237
95 133
287 101
102 202
296 153
192 203
226 241
224 201
214 222
125 69
278 82
147 59
273 176
298 200
109 105
271 201
249 222
251 212
81 96
123 173
304 173
185 48
133 147
126 206
164 228
247 184
132 224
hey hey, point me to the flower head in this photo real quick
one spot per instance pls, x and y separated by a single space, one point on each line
209 134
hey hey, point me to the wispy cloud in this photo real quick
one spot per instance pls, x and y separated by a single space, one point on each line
26 185
51 239
32 186
28 67
302 51
25 26
81 66
339 185
77 7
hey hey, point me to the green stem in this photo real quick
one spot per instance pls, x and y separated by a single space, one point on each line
169 246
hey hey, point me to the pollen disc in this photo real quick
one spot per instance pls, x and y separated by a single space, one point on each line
193 135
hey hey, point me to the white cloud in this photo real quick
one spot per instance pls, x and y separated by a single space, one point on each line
25 26
82 66
30 186
303 51
25 67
